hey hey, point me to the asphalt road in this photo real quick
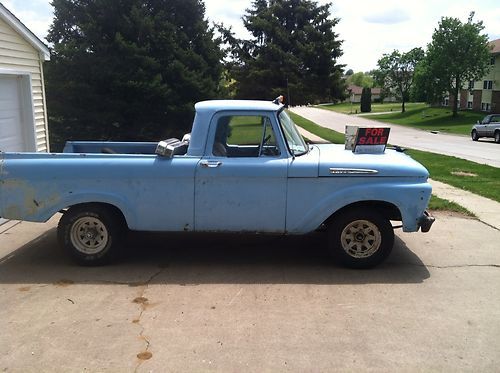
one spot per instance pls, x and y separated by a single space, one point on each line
198 303
484 151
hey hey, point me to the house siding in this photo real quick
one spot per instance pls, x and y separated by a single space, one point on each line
16 54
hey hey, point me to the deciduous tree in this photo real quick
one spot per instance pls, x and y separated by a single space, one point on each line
361 79
457 54
396 72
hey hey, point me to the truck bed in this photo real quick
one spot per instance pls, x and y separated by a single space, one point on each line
110 147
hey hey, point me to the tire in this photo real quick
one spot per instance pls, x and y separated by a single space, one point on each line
360 238
90 234
497 137
474 135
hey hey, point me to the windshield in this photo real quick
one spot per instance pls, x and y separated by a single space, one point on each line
294 140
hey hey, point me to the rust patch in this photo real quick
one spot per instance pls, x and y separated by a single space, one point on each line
64 283
140 300
146 355
24 288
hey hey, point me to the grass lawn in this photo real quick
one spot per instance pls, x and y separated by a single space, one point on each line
347 108
477 178
433 119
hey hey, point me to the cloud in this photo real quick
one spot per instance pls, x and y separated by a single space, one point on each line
389 17
34 14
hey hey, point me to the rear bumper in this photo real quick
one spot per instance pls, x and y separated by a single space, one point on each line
426 221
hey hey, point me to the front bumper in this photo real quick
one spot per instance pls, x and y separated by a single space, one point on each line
426 221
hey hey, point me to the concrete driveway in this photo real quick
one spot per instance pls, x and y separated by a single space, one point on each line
484 151
205 303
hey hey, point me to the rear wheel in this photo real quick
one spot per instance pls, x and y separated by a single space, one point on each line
90 234
474 135
360 239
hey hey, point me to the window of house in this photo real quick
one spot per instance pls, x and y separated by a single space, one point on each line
245 136
446 102
488 84
492 60
485 106
471 85
469 104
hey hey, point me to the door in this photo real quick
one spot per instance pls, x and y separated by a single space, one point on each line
12 137
493 125
241 182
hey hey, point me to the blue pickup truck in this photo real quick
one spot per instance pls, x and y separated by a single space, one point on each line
244 168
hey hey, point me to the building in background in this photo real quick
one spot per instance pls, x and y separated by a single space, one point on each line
484 94
23 112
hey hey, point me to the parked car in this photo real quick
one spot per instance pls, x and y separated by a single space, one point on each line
488 127
244 168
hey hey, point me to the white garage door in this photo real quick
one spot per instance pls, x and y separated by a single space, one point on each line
11 131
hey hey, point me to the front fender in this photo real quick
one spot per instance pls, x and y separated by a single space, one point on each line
410 198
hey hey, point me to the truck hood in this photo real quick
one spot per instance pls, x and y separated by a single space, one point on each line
335 161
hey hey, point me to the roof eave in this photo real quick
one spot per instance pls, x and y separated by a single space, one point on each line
25 32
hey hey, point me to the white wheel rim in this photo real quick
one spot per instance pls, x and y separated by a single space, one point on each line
361 239
89 235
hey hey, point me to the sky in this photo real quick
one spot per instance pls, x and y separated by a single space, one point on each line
368 28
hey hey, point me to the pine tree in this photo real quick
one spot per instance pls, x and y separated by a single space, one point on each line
293 50
128 69
366 100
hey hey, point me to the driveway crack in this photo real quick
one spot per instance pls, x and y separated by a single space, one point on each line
143 302
454 266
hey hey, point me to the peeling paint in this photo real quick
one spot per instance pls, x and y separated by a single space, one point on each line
23 201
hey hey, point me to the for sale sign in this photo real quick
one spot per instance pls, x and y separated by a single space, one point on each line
371 140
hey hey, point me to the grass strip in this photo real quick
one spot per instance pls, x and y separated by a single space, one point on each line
432 119
441 204
355 108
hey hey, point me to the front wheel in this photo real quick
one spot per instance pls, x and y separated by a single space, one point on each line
474 135
90 234
360 239
497 137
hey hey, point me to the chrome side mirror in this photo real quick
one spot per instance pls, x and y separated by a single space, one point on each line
170 147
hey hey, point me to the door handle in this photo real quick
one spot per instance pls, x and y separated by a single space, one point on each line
210 164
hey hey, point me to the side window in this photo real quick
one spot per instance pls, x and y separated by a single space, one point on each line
244 136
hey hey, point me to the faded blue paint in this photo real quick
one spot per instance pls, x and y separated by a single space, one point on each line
278 194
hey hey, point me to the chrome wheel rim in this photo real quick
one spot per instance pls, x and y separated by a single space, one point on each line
361 239
89 235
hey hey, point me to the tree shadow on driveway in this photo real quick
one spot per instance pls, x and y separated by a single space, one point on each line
191 259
